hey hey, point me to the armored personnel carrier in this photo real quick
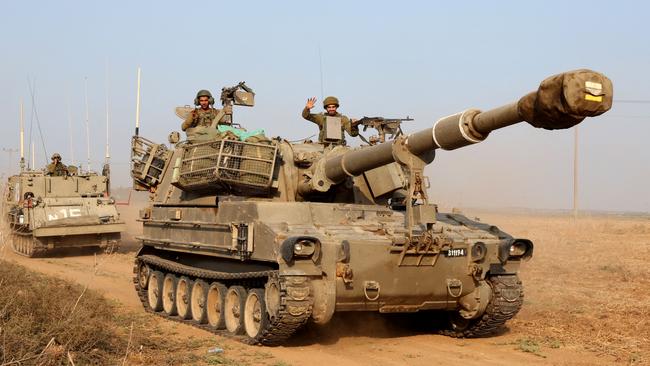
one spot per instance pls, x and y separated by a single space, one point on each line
48 212
255 238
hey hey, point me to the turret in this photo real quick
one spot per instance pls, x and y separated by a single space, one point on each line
561 101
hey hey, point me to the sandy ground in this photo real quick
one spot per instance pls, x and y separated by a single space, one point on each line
586 303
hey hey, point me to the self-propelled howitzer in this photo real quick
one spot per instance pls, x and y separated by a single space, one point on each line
253 237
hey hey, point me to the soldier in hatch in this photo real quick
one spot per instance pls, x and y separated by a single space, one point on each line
204 113
331 105
56 168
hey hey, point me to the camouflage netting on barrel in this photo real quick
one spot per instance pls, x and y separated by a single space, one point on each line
227 164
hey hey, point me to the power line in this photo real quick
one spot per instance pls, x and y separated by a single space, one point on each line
630 116
632 101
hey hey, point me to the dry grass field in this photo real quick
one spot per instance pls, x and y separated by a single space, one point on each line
49 321
586 286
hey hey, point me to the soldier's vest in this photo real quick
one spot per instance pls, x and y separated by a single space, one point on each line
204 119
322 134
57 170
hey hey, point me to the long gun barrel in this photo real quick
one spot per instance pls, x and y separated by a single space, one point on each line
561 101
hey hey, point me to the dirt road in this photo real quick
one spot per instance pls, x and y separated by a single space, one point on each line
352 339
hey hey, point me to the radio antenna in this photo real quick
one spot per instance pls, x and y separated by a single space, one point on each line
320 63
70 130
108 154
33 156
32 91
137 106
87 123
22 138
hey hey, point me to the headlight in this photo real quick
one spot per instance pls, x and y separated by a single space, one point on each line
517 249
303 248
298 247
479 250
105 219
521 249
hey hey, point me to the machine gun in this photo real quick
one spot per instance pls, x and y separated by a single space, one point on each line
239 94
383 126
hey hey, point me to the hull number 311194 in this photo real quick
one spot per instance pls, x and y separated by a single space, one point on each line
458 252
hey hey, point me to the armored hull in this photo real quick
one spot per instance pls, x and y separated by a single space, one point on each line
362 261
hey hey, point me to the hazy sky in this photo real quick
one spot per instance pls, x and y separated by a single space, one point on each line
420 59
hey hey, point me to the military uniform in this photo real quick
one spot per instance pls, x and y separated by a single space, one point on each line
57 169
201 118
320 118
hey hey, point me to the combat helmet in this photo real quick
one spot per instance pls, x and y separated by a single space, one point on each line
330 100
56 156
203 93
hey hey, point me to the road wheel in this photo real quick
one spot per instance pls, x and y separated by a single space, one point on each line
506 299
20 244
169 294
154 292
198 302
29 246
112 246
234 307
256 319
458 324
183 298
15 243
215 305
272 294
143 275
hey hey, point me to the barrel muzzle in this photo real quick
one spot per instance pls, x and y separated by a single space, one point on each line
564 100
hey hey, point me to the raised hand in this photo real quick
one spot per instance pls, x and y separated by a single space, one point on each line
311 102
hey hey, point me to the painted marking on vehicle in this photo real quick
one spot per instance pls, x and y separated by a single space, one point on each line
457 252
64 213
